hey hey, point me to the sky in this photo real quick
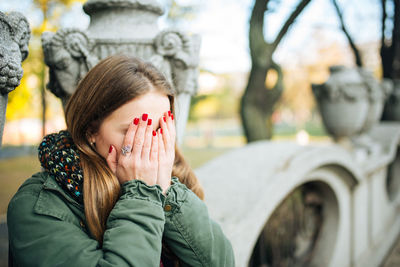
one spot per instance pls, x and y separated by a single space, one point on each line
223 27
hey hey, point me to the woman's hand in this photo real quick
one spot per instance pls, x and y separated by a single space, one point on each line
166 150
138 158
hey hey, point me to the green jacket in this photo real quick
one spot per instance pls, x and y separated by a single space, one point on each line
47 228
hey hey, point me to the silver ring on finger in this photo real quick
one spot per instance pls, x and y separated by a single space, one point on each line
126 149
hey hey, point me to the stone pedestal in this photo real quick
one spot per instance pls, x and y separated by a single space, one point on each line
129 27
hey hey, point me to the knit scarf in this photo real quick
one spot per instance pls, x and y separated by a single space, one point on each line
59 156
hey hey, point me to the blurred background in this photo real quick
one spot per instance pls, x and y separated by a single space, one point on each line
324 33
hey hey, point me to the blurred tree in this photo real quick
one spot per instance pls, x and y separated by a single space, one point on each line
23 102
217 105
390 40
261 94
390 55
390 46
348 36
180 12
50 11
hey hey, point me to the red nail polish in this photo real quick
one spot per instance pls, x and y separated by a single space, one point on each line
172 116
136 121
169 113
165 119
149 122
110 149
144 117
160 130
154 133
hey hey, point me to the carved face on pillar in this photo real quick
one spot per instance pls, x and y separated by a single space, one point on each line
184 76
68 57
182 54
14 38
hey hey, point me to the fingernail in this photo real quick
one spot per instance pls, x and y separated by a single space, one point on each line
160 130
154 133
144 116
165 119
136 121
110 149
169 113
149 122
172 116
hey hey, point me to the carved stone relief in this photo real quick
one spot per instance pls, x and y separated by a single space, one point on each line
68 55
129 27
14 39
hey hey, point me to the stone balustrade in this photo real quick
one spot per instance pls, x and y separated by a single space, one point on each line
360 199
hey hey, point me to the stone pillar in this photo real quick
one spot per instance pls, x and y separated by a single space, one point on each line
14 39
129 27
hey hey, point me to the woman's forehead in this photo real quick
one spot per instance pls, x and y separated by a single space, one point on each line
153 104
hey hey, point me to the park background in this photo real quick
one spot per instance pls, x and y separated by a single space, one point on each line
314 42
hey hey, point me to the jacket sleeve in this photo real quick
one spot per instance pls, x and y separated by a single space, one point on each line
190 233
132 238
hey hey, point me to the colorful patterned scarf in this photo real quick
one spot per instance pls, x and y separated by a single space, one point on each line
59 156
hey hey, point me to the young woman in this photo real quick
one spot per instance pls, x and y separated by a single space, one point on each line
115 191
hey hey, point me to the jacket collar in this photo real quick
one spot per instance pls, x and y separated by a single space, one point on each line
51 184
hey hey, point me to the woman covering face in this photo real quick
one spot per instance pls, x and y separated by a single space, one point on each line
115 190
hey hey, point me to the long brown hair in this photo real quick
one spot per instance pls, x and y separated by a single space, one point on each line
111 83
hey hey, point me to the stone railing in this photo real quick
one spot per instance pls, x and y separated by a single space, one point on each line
359 201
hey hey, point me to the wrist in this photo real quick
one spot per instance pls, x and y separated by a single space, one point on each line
137 189
165 188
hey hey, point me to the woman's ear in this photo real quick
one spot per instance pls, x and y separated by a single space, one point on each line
92 143
91 137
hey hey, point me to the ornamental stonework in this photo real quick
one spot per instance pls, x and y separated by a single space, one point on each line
14 39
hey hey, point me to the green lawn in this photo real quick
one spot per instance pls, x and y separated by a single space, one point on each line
13 172
198 156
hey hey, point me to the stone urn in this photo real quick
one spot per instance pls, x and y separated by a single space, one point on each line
350 101
378 93
129 27
342 101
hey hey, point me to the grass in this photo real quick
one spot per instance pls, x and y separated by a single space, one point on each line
13 172
198 156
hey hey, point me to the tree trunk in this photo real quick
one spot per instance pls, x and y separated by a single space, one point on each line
396 41
390 48
390 56
386 51
43 76
258 102
348 36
